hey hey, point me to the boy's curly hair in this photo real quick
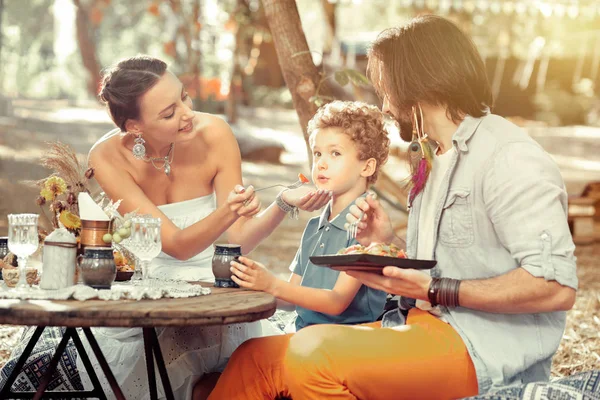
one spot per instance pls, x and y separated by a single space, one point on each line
362 122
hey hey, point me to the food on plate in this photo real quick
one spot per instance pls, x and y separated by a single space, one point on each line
122 263
376 249
11 276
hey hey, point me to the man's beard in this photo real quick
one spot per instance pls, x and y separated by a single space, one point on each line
405 130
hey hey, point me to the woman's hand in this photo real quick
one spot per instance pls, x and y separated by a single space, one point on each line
306 198
375 225
243 201
404 282
253 275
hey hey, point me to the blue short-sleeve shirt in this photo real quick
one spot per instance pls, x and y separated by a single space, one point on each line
322 237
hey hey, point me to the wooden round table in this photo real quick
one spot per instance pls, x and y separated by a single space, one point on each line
223 306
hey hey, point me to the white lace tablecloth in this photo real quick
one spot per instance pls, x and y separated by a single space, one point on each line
153 289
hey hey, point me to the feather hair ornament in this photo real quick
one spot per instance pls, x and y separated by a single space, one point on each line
420 157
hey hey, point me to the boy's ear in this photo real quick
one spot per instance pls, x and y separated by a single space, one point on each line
133 127
369 168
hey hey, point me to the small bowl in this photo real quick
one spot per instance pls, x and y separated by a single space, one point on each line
123 276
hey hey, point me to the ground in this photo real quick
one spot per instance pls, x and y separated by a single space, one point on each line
22 142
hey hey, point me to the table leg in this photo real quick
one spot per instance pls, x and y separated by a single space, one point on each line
151 344
53 364
148 345
19 365
70 333
101 360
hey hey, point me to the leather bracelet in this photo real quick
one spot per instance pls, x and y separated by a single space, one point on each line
444 291
285 207
433 291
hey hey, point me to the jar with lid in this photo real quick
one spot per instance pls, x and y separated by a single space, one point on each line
221 264
98 268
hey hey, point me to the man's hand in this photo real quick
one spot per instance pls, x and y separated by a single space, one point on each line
253 275
375 225
404 282
306 198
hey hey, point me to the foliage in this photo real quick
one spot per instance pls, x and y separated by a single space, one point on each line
343 77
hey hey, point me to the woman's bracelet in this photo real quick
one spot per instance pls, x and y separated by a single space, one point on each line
444 292
285 207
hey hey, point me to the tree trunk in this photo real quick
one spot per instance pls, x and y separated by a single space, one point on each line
329 9
87 48
300 73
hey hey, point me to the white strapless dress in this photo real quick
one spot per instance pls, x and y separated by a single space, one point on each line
189 352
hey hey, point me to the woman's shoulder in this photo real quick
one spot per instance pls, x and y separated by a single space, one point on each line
213 128
107 147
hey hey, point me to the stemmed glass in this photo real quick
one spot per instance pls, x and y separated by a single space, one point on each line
23 241
145 243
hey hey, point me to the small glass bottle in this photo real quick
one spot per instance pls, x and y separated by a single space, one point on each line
221 264
3 250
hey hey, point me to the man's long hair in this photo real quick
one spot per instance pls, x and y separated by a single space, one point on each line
430 60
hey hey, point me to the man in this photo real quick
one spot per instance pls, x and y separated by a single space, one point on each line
492 214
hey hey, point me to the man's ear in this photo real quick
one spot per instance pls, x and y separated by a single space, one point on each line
132 126
369 168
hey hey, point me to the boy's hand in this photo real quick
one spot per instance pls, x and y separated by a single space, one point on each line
253 275
306 198
375 225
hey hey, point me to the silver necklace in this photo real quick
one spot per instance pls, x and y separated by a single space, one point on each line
139 152
166 160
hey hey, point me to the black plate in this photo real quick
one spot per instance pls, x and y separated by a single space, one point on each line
368 262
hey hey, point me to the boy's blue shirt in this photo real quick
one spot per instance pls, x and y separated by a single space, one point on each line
321 237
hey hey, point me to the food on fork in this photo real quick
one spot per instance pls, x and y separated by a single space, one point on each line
303 178
376 249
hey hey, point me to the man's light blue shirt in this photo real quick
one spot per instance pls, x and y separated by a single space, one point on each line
322 237
502 205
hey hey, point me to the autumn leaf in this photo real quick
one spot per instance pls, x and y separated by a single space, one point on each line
96 16
153 9
169 49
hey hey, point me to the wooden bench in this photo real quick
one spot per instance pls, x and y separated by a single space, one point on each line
584 214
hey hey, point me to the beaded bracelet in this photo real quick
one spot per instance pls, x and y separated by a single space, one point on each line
285 207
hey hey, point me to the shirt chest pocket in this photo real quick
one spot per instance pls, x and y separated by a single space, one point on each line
456 223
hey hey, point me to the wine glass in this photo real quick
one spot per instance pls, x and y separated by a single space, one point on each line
145 243
23 241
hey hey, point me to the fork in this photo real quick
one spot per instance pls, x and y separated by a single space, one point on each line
353 227
292 186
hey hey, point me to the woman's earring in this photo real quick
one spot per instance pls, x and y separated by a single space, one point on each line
139 150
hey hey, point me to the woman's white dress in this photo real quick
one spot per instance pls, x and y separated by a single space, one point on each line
188 352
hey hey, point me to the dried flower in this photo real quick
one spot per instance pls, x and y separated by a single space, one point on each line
47 194
89 173
71 199
56 185
40 201
58 206
70 220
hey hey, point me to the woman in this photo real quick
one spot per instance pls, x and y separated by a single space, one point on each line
183 167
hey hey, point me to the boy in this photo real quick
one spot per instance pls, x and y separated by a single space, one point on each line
349 146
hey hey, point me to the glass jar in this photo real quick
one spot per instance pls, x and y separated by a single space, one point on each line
98 268
221 264
3 250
